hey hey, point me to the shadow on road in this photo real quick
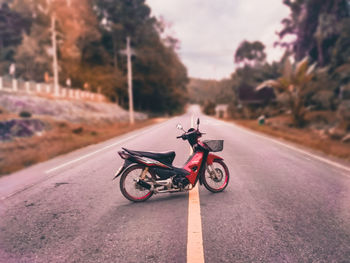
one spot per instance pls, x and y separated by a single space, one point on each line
159 198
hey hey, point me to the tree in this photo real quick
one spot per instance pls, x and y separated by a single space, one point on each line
31 57
90 36
12 25
159 76
295 82
209 107
250 53
315 23
340 61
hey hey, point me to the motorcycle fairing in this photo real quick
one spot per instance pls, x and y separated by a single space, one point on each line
193 166
212 157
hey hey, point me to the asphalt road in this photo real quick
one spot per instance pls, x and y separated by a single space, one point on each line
281 205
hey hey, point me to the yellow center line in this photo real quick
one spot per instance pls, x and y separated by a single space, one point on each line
195 252
194 235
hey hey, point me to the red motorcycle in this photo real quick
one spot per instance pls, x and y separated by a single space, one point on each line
146 173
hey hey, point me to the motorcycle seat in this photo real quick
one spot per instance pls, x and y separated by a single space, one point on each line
167 157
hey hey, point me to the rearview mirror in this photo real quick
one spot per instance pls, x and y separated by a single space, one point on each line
179 126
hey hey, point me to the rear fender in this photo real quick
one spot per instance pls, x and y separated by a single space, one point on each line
212 157
126 164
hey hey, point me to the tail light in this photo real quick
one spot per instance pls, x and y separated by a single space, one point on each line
123 155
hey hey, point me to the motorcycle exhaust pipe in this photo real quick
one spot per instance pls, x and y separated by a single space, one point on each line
144 184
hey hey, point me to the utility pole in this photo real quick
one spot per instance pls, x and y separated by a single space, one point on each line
54 51
129 52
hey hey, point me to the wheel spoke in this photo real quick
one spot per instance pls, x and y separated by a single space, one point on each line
216 177
131 189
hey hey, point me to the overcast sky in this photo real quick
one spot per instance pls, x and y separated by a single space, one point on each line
211 30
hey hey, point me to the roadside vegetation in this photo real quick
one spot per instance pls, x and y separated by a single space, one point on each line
91 41
55 138
91 37
35 129
304 97
305 137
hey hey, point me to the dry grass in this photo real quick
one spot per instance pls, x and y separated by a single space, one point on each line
305 137
62 137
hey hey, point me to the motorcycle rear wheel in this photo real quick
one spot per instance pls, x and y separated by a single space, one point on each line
217 185
130 189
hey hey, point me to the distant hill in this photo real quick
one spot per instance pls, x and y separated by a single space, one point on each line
201 90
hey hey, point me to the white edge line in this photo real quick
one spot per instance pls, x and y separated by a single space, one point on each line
97 151
338 165
78 159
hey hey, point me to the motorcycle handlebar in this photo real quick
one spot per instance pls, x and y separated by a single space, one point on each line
184 136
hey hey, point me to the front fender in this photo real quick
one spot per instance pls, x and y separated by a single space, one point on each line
211 157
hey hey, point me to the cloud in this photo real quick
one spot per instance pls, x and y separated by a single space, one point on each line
210 31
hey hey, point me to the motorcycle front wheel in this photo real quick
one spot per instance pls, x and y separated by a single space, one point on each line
129 187
218 181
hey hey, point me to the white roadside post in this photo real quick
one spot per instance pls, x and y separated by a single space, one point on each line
27 87
14 85
129 52
38 88
1 87
71 93
77 94
99 95
64 92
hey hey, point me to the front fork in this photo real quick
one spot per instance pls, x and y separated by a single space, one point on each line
212 172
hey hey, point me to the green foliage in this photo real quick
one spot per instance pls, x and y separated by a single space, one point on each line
340 61
78 130
252 76
201 90
31 57
25 114
295 82
209 107
251 56
322 32
90 36
250 53
316 25
159 76
11 26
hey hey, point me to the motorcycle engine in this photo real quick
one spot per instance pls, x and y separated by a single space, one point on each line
180 181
